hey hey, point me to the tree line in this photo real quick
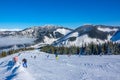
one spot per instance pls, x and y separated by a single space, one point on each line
108 48
12 51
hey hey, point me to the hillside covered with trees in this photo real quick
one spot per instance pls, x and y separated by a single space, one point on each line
108 48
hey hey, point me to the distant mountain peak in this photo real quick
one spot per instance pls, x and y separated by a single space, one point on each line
87 34
51 34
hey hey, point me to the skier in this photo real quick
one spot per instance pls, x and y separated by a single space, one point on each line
69 54
81 51
47 56
34 57
56 54
15 59
24 63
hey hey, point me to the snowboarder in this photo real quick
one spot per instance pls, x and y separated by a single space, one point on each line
24 63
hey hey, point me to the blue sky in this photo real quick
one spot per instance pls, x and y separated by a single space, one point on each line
68 13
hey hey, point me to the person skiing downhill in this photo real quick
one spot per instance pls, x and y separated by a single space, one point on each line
24 63
56 54
15 59
47 56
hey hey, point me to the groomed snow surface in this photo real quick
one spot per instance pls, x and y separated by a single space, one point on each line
65 68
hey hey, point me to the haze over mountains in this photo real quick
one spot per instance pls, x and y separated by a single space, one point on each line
60 36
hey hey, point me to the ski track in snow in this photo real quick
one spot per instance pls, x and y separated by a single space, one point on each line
65 68
11 71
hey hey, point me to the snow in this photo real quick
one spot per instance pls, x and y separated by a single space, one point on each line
64 41
62 31
65 68
109 37
81 40
48 40
28 32
84 39
75 34
38 45
107 29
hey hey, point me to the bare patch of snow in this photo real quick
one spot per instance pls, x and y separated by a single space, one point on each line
48 40
85 39
109 37
75 34
106 29
63 31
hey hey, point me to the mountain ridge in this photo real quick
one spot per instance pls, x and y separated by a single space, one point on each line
88 33
61 36
46 34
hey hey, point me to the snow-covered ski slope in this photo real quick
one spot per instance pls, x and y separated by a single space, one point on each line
65 68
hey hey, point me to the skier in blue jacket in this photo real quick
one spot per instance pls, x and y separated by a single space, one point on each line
24 63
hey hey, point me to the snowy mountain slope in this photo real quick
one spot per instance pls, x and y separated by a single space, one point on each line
60 36
107 29
87 34
79 41
63 41
62 31
38 32
65 68
34 35
94 31
53 37
52 34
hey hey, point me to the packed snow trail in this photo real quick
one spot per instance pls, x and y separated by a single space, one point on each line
74 67
11 71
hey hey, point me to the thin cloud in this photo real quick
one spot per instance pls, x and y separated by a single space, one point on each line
10 29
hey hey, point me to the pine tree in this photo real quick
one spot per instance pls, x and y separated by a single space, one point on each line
91 48
4 54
